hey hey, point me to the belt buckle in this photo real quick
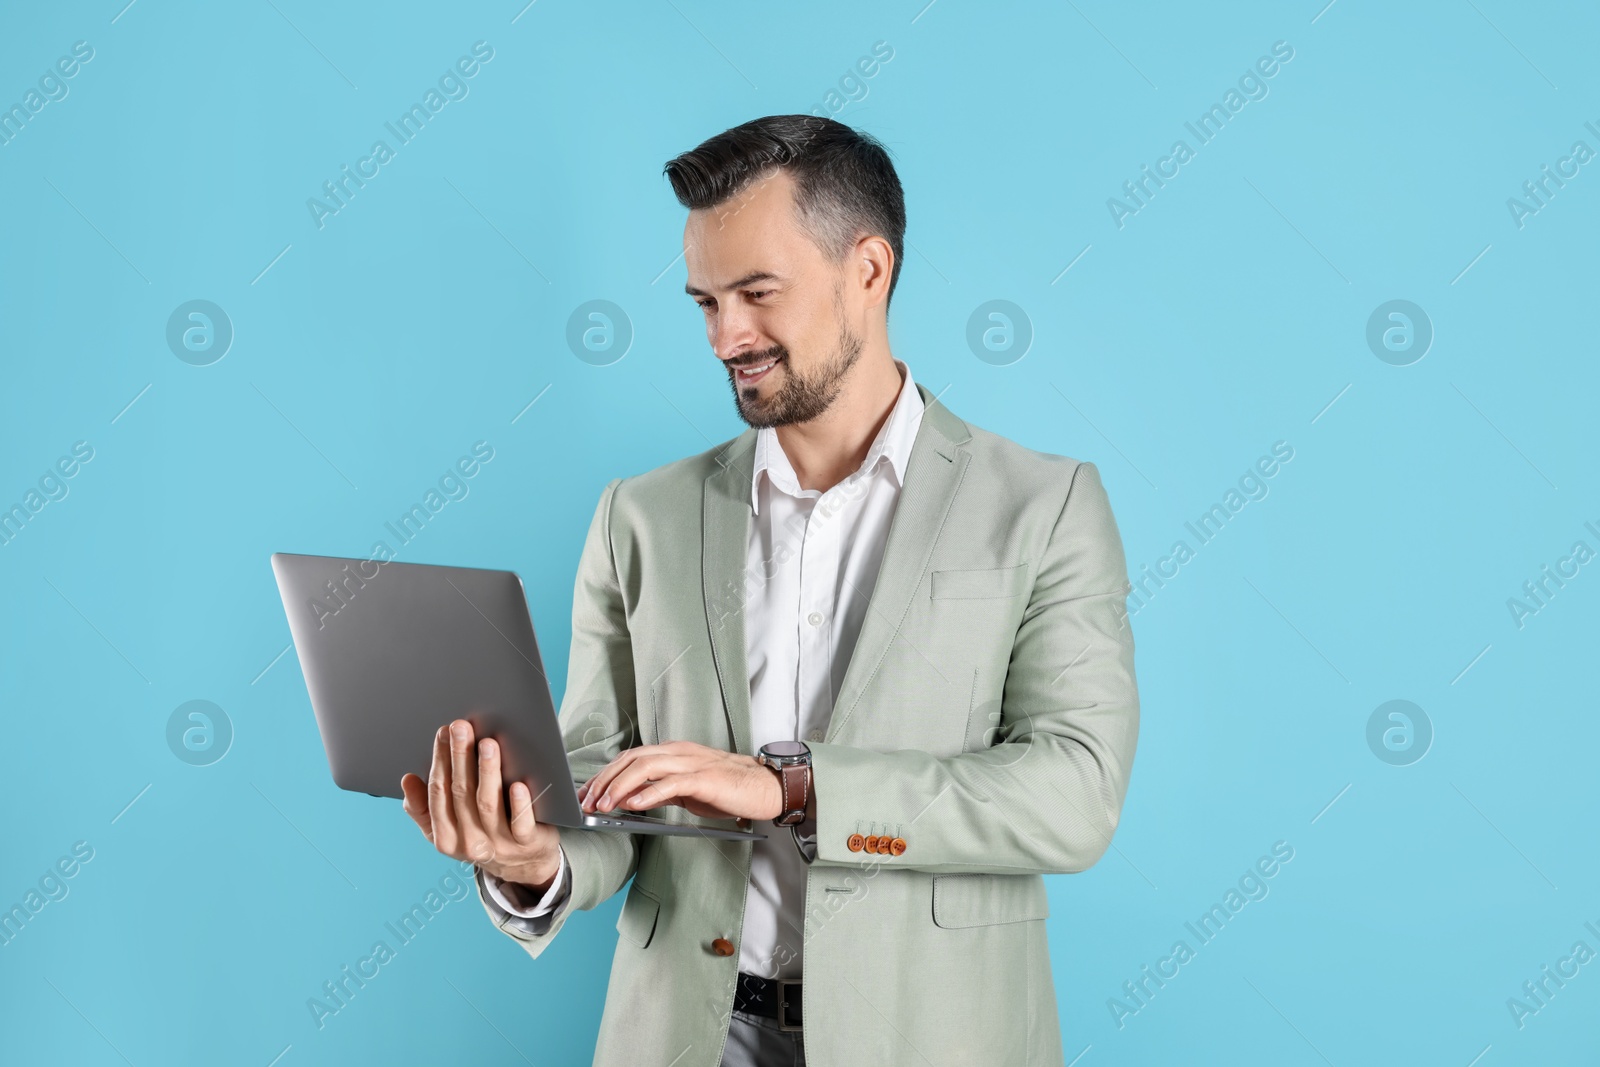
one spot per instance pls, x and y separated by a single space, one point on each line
783 1004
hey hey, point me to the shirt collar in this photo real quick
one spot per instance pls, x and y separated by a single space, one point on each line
894 441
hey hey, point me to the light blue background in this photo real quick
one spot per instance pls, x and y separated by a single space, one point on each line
1228 314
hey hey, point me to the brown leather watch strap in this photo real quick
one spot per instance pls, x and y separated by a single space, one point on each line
796 780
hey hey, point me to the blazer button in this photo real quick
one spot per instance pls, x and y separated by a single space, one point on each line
897 846
722 946
872 843
856 843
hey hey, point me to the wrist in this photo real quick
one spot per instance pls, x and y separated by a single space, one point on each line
536 877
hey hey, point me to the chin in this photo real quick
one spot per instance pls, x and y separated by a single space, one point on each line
756 412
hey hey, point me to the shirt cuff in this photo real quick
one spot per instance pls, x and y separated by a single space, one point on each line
805 839
514 898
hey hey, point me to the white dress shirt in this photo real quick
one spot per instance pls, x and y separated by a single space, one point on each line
821 553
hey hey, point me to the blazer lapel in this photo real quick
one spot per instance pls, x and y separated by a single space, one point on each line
933 475
725 542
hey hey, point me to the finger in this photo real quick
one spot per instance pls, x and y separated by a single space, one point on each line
446 838
633 777
672 789
596 788
491 809
415 804
621 781
597 784
522 820
464 793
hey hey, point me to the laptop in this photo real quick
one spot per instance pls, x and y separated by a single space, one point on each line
393 651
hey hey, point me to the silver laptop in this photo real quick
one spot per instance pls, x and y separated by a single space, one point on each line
393 651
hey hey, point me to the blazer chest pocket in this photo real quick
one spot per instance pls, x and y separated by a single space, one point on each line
988 584
963 900
637 922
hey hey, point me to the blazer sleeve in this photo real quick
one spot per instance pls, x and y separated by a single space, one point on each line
1045 798
598 720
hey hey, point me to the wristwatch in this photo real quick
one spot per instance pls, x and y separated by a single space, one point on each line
791 760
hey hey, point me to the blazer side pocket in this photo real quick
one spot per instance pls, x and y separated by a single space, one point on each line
987 584
637 922
964 900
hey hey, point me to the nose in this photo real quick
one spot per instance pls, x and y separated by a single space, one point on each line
732 333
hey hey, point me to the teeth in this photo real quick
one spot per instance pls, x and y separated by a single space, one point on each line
750 372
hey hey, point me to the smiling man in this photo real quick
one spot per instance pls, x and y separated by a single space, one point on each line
895 642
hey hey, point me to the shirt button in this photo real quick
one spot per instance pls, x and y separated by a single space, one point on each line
815 618
814 735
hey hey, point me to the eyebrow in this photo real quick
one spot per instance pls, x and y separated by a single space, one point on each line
748 279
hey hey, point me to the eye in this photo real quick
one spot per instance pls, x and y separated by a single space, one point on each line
707 304
757 294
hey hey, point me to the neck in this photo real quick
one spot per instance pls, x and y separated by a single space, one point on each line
826 450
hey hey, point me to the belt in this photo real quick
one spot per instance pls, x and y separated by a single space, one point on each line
772 998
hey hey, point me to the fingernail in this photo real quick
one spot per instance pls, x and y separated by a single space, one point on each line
605 802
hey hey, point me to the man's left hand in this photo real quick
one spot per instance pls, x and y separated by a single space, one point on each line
709 782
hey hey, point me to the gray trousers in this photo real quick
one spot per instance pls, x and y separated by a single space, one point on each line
757 1042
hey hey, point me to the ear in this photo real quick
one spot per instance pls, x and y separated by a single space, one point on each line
873 267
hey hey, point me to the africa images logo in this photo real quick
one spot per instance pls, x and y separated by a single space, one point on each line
452 85
1252 85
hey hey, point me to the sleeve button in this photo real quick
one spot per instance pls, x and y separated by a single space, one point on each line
856 843
897 846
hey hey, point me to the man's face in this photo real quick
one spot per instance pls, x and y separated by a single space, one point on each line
774 304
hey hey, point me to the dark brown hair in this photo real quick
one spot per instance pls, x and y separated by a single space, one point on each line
845 185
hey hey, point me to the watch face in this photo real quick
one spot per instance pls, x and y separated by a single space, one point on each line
786 750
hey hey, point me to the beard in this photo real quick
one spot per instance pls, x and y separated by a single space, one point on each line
799 397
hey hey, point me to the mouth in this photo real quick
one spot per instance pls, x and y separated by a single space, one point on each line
753 374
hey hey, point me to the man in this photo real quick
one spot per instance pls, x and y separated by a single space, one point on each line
895 641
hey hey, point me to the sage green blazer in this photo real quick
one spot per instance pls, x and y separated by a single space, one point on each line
988 718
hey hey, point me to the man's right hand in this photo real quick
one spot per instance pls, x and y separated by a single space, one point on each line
460 809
